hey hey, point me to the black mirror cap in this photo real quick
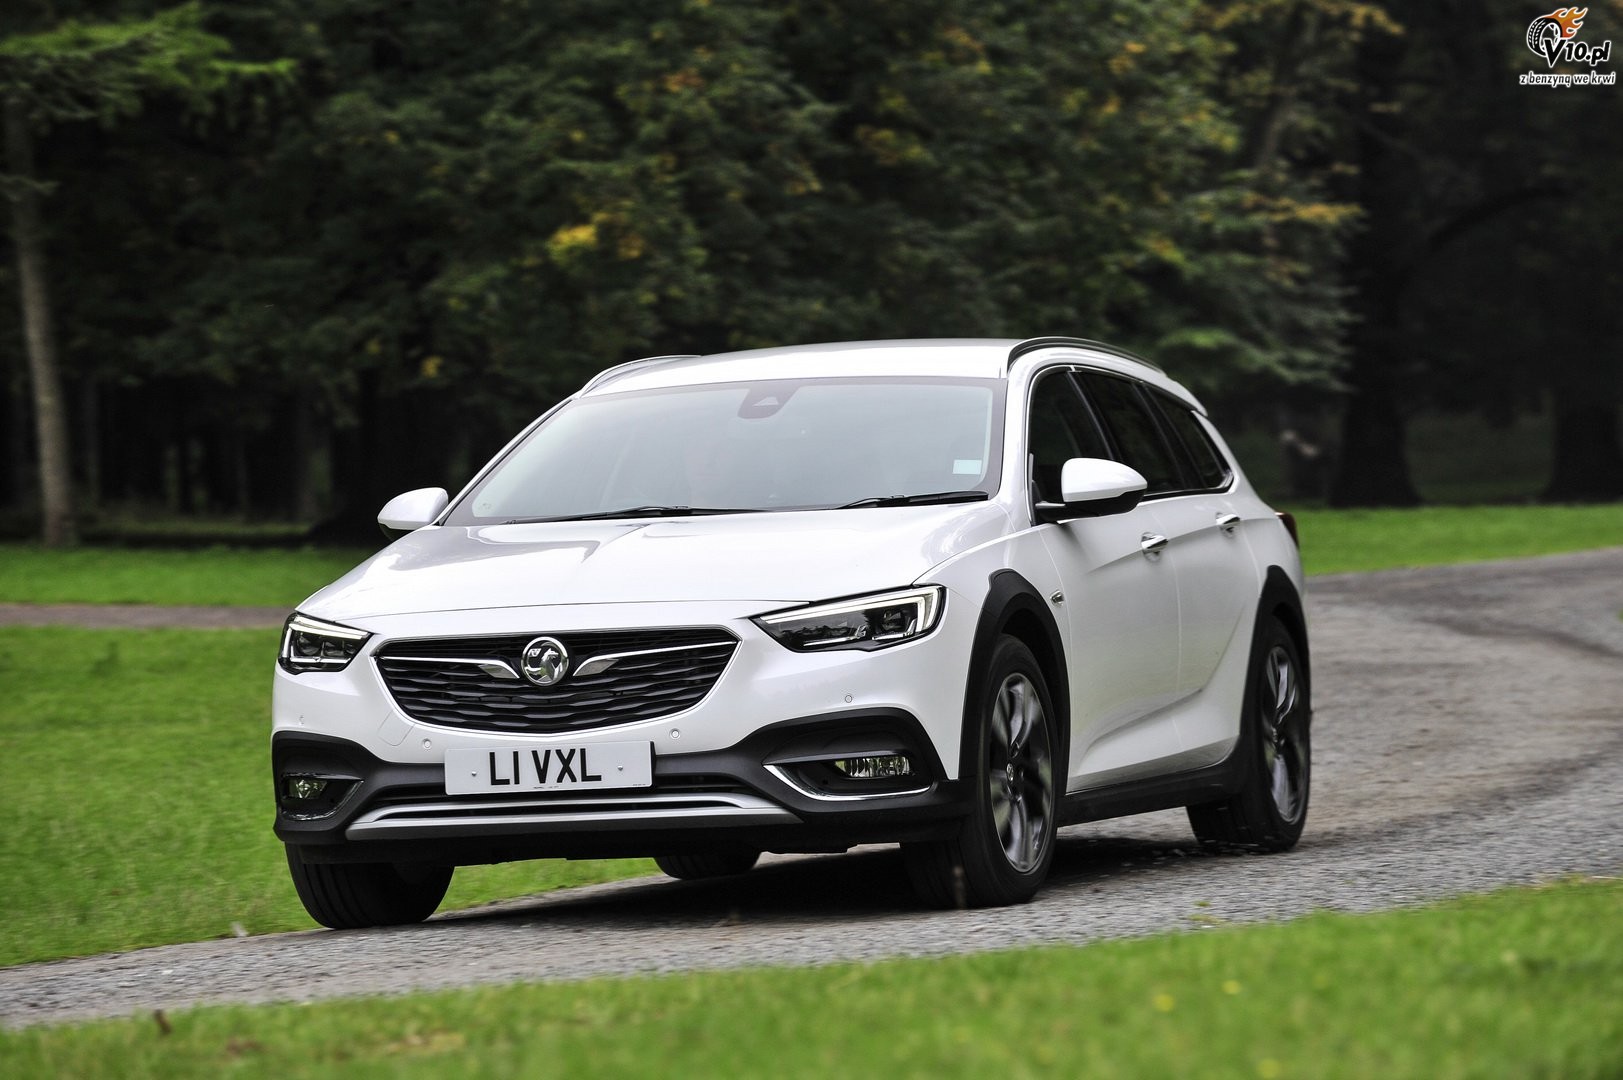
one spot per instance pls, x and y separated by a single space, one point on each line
1053 513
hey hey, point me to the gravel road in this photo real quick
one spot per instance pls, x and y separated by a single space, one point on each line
1468 734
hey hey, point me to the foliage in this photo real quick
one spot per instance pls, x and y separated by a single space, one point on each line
461 210
1516 983
104 71
1488 202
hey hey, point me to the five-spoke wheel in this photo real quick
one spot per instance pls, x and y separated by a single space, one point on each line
1003 848
1269 809
1020 773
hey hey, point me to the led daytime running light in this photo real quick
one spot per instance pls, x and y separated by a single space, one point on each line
867 622
311 645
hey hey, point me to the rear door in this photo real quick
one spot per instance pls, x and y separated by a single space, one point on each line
1191 496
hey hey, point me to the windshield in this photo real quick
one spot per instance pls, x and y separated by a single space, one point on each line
782 444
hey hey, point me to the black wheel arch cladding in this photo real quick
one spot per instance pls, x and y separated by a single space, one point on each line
1014 606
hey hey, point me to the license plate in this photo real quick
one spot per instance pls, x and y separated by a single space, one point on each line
594 767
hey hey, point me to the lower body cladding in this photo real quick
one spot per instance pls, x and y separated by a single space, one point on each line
820 783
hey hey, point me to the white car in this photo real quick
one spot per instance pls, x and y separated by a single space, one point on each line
949 594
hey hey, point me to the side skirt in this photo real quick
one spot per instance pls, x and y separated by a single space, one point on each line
1205 784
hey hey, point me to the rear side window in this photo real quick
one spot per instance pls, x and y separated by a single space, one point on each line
1211 471
1138 437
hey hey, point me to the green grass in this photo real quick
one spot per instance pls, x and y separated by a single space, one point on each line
1341 540
1521 983
1332 541
166 732
271 577
136 772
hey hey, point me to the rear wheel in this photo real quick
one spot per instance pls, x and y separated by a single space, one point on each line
349 896
1003 849
708 864
1270 809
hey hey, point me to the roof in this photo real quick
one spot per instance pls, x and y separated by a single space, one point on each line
975 358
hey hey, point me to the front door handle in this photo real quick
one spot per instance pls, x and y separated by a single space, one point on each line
1228 523
1151 544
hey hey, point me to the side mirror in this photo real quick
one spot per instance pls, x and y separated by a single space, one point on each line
411 511
1094 487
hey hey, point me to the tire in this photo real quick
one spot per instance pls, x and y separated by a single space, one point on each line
725 862
1538 30
1005 845
1269 810
349 896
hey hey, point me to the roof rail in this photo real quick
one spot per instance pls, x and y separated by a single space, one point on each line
610 374
1032 344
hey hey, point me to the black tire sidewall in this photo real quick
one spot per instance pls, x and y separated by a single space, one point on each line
991 879
1261 783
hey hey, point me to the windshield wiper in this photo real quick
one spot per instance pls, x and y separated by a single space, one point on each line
654 510
918 500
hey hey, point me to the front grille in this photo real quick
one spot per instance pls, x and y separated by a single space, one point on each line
440 681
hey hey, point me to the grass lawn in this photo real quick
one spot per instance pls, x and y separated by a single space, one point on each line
1520 983
269 577
139 814
1340 540
138 798
1332 541
169 738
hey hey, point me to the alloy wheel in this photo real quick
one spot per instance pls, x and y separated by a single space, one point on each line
1020 773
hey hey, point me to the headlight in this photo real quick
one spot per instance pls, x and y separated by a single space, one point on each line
865 622
311 645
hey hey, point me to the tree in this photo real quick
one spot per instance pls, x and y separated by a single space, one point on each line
83 72
1486 204
461 210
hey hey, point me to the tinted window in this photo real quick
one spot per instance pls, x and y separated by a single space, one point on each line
1061 429
1211 471
1137 436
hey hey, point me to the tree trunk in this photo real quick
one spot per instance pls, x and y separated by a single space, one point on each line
50 412
1588 464
91 493
16 489
1373 464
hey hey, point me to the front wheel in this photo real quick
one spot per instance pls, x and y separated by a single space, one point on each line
1270 809
349 896
1003 849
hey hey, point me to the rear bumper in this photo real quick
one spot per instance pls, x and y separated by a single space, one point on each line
764 793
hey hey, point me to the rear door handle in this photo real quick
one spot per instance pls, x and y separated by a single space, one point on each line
1228 523
1152 543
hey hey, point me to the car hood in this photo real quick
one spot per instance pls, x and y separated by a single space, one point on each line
773 558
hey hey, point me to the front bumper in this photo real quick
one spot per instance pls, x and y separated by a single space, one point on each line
757 794
726 764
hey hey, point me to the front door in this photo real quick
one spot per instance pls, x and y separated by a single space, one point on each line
1120 605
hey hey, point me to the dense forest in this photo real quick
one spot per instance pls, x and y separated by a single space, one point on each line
284 258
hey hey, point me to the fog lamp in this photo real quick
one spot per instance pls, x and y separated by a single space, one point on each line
305 788
875 766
